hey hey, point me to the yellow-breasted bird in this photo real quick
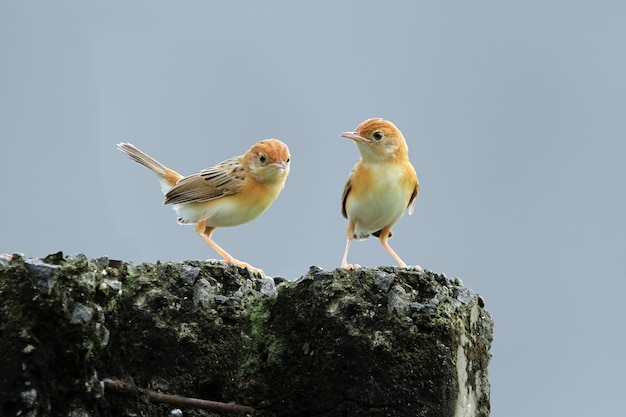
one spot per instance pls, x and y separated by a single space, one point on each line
381 186
231 193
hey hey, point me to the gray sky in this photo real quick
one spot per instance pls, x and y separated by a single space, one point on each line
515 115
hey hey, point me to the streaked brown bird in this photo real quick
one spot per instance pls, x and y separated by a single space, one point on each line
381 186
231 193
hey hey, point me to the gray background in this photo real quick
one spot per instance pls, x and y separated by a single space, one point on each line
515 114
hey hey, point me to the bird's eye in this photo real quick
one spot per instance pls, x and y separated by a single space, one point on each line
288 159
378 135
262 158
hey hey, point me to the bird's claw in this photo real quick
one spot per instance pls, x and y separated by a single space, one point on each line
250 268
239 264
415 268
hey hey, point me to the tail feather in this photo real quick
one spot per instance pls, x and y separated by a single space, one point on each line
167 177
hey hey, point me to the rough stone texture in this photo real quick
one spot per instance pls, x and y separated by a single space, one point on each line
370 342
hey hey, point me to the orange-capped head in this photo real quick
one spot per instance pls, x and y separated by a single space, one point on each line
268 160
378 140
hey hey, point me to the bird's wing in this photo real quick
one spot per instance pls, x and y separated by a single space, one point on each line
346 190
223 179
411 206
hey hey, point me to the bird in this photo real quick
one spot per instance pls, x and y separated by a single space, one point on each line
231 193
382 185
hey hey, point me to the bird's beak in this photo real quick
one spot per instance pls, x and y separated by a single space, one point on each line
280 165
355 137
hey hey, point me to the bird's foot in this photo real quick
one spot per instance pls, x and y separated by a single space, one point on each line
247 266
350 266
239 264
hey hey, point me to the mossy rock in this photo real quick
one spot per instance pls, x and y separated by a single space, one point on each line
368 342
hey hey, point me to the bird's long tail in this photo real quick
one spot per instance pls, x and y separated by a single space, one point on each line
167 177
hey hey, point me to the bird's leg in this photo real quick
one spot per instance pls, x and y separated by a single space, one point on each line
205 231
344 261
384 236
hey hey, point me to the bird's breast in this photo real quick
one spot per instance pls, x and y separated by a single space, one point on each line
231 210
378 198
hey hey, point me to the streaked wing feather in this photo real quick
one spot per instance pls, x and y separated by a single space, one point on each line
346 190
411 206
225 178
